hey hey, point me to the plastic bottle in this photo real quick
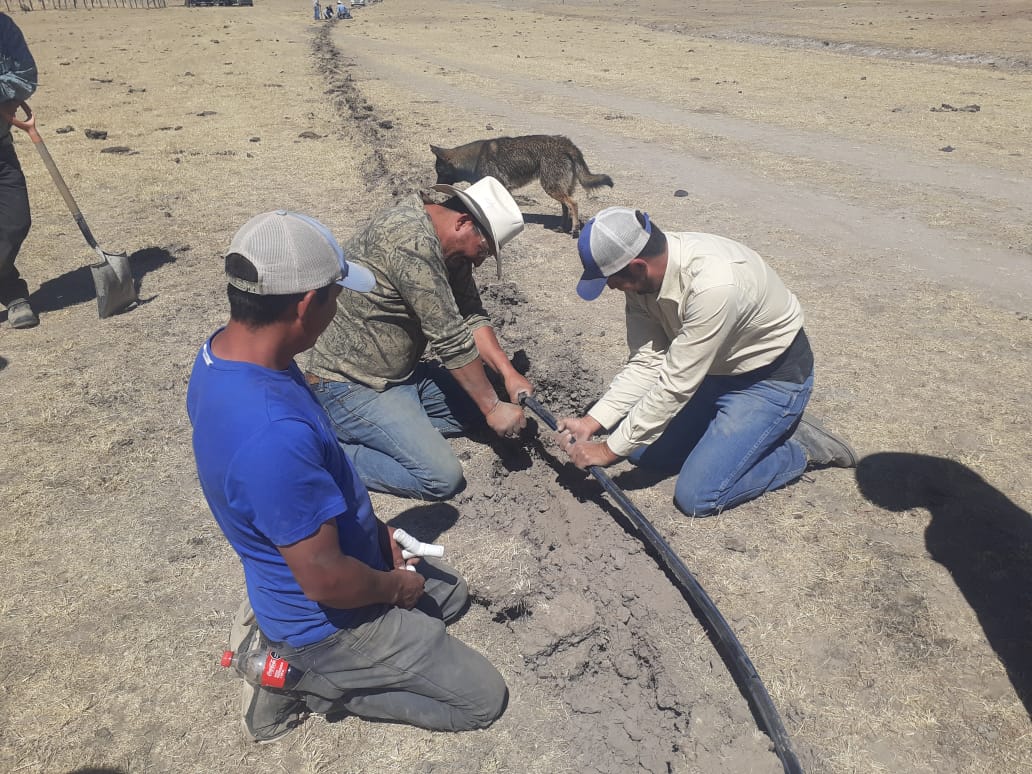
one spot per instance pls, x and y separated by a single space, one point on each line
264 668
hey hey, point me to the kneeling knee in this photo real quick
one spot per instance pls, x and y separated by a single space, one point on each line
694 502
493 708
447 480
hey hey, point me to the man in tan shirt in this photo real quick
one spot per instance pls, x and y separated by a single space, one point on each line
719 373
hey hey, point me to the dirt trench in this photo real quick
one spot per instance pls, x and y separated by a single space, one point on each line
596 621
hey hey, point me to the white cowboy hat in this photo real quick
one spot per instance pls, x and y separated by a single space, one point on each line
494 208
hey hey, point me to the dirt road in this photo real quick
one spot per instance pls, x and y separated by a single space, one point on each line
888 610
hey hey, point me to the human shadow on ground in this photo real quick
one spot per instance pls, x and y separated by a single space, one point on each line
76 286
640 478
979 535
147 260
426 522
550 222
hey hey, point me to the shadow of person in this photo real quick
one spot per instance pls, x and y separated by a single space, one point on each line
76 286
549 222
146 260
426 522
71 288
512 454
640 478
979 535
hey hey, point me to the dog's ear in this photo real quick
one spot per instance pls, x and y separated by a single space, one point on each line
437 151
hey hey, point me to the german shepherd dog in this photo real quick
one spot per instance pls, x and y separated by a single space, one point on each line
515 161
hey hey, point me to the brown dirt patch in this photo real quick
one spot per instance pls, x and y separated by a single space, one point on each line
888 612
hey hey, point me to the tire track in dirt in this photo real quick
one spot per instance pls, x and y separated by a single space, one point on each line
596 623
891 165
864 50
968 258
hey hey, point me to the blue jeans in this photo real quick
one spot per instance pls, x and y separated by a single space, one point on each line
731 443
396 438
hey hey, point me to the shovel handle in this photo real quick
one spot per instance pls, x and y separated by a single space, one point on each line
28 124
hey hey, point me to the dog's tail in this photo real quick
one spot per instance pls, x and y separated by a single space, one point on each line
589 180
584 175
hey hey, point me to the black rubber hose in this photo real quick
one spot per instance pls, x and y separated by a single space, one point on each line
731 650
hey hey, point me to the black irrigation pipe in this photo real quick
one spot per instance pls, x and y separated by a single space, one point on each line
734 655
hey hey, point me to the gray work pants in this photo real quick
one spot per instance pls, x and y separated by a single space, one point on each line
402 665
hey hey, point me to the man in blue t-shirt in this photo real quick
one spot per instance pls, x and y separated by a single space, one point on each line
329 588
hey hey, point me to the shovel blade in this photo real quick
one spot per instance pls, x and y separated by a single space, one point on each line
113 279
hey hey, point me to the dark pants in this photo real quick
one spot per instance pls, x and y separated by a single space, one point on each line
14 222
401 665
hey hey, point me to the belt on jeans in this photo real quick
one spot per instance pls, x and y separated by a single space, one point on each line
313 379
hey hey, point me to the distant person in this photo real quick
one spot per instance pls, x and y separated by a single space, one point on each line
720 368
327 586
317 9
342 10
329 12
18 81
392 407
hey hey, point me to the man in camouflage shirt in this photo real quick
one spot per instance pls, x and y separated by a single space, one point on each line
390 407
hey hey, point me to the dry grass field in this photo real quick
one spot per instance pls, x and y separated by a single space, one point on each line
888 609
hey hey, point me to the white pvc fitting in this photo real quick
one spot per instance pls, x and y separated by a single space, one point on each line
410 547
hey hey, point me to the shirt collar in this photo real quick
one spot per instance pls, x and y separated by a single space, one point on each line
672 288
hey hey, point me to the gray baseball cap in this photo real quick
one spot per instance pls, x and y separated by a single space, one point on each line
607 243
293 253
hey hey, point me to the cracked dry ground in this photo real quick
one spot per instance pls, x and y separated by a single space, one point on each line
857 600
620 646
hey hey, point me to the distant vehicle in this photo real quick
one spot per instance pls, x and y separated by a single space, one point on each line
358 3
200 3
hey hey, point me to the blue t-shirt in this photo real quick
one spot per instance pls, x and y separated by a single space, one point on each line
273 473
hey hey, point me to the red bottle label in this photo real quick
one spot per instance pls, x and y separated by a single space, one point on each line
275 673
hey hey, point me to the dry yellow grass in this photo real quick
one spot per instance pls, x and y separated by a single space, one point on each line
858 618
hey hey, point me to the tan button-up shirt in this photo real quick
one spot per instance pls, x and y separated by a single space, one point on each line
720 310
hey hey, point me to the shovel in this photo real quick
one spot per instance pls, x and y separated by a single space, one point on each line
112 276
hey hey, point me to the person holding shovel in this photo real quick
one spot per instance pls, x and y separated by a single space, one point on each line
328 587
17 84
391 407
720 368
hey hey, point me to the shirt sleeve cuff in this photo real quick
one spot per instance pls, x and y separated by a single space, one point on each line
461 359
619 444
605 415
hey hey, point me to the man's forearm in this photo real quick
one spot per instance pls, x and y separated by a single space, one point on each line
491 351
472 378
351 584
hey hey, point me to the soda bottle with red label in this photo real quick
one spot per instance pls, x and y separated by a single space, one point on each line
264 668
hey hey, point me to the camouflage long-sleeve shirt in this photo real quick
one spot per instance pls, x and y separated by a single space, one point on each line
377 338
17 67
